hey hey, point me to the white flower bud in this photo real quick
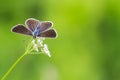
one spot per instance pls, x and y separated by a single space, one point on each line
35 46
46 51
40 42
33 41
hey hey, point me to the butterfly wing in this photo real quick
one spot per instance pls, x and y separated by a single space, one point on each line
32 24
21 30
45 25
36 28
48 34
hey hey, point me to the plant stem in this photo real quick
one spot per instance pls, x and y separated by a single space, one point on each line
16 62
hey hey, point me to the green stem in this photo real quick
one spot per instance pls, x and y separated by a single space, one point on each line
16 62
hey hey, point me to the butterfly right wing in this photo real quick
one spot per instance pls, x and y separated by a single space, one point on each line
21 30
45 25
51 33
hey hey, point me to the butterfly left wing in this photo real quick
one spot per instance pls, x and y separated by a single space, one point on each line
48 34
21 30
32 24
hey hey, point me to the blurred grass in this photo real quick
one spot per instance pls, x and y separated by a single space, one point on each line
87 47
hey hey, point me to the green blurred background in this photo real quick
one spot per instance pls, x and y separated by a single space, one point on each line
87 47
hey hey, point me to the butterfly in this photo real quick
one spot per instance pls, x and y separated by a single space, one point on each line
36 28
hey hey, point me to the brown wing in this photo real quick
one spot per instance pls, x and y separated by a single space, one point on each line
32 24
45 25
21 30
48 34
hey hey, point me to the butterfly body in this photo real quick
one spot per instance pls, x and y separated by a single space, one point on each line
36 28
36 33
